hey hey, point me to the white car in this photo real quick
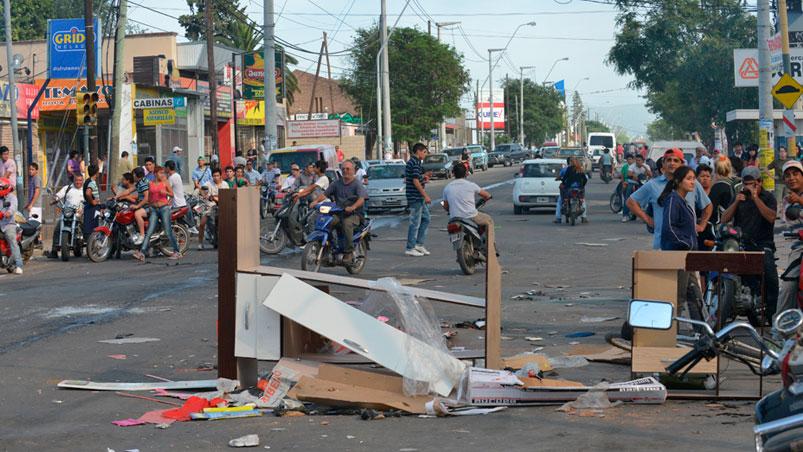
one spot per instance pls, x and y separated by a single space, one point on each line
536 186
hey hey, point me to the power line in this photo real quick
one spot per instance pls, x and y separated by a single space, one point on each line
331 15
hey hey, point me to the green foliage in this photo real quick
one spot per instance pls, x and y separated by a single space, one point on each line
426 82
681 54
543 115
661 130
596 126
29 17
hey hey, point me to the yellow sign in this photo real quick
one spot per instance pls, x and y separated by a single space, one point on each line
251 113
158 116
787 91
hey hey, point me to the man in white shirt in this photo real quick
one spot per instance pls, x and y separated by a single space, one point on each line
319 186
459 196
209 194
73 197
251 174
179 199
291 181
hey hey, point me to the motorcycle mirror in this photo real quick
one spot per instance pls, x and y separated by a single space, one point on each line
788 322
653 315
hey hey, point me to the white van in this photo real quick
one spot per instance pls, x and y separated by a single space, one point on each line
598 141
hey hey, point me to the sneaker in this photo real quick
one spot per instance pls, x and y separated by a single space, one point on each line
194 230
422 250
18 271
174 256
583 220
201 247
625 219
139 256
413 252
138 239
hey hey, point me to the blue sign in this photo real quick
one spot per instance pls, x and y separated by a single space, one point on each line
179 102
560 87
66 48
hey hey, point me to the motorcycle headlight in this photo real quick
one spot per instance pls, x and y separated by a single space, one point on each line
325 209
69 211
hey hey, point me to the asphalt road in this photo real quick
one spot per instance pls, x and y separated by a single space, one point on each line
53 316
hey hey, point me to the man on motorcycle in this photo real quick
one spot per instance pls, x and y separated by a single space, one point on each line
292 182
754 211
458 198
8 226
350 194
209 194
141 186
606 161
72 196
793 179
319 186
271 174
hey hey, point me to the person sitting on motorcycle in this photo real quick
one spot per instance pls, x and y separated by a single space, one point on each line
754 212
91 200
292 182
459 195
575 178
793 179
72 196
606 160
239 177
126 185
319 186
624 187
141 186
210 196
559 203
350 194
271 174
8 226
466 160
159 194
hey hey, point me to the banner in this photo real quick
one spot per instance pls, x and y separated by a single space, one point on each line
484 109
60 94
160 102
66 48
158 116
745 66
24 98
253 76
251 112
313 129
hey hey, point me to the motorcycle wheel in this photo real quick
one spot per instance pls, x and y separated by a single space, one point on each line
465 257
182 237
727 298
65 246
264 209
211 233
616 203
309 258
278 242
98 247
360 258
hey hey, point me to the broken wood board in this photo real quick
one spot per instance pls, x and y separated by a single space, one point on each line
340 386
600 353
519 361
256 328
325 278
149 386
365 335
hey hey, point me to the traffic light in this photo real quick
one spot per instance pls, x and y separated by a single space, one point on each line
93 108
86 108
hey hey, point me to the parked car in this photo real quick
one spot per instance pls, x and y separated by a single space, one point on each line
500 156
386 187
549 152
439 164
536 186
457 154
479 157
565 153
519 153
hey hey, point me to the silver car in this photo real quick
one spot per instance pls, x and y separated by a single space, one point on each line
386 187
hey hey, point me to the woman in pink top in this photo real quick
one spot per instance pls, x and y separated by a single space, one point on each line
159 194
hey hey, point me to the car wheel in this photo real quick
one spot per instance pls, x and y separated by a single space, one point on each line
516 210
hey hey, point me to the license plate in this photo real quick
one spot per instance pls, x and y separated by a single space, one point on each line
454 238
542 199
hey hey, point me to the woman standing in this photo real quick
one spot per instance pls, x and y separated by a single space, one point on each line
159 194
91 200
752 156
678 231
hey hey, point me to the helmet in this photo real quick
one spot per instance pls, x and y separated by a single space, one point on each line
5 186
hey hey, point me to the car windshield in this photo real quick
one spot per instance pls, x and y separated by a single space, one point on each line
550 152
601 140
542 170
301 158
386 172
435 159
503 148
454 152
570 153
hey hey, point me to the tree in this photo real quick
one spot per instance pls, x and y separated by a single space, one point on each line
543 114
426 83
578 109
29 17
596 126
662 130
681 54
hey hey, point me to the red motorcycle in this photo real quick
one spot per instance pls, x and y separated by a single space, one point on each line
27 231
106 241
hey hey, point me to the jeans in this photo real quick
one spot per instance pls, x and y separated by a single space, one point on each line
10 233
770 282
419 223
626 192
161 215
558 207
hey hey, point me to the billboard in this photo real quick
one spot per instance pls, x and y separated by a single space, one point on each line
313 129
484 110
66 48
24 98
60 94
251 112
253 75
745 66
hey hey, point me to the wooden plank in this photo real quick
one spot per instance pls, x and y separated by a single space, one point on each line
353 358
493 306
659 260
657 359
742 263
659 285
364 334
247 227
149 386
367 284
227 268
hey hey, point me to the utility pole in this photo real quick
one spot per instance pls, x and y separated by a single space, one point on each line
386 126
491 93
478 123
119 72
271 111
210 62
765 119
442 128
783 22
315 80
89 24
16 147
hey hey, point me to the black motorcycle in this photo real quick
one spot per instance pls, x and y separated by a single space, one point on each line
469 241
71 231
289 226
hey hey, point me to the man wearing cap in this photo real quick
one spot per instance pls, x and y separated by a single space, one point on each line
177 151
201 175
754 212
793 179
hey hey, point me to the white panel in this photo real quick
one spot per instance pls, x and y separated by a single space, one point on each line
245 339
269 331
257 328
363 334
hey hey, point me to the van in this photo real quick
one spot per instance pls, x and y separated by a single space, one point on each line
597 141
303 156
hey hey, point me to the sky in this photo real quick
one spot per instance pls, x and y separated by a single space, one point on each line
580 30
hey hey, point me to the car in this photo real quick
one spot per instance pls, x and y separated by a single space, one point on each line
479 156
499 156
597 141
536 185
549 152
658 148
565 153
456 154
519 153
440 165
386 189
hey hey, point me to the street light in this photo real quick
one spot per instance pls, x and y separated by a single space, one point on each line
442 128
491 77
521 97
553 67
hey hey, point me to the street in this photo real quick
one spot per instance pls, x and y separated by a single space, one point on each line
53 316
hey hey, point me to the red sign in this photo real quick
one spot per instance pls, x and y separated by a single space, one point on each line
484 109
24 97
749 69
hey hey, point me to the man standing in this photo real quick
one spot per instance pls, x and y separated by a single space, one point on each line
350 194
8 164
177 151
179 200
202 174
251 174
737 158
125 165
695 161
8 227
339 153
754 212
34 206
417 201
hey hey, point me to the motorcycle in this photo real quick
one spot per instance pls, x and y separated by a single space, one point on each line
105 241
325 248
469 241
267 200
71 232
290 221
791 294
778 415
573 205
210 232
606 174
27 232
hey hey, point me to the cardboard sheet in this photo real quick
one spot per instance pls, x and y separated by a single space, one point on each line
601 353
519 361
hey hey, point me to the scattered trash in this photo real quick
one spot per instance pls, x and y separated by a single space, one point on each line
592 244
506 338
118 356
521 360
530 370
552 333
580 334
149 386
601 353
567 362
534 338
522 297
413 281
569 305
245 441
595 399
128 422
57 401
585 319
129 340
